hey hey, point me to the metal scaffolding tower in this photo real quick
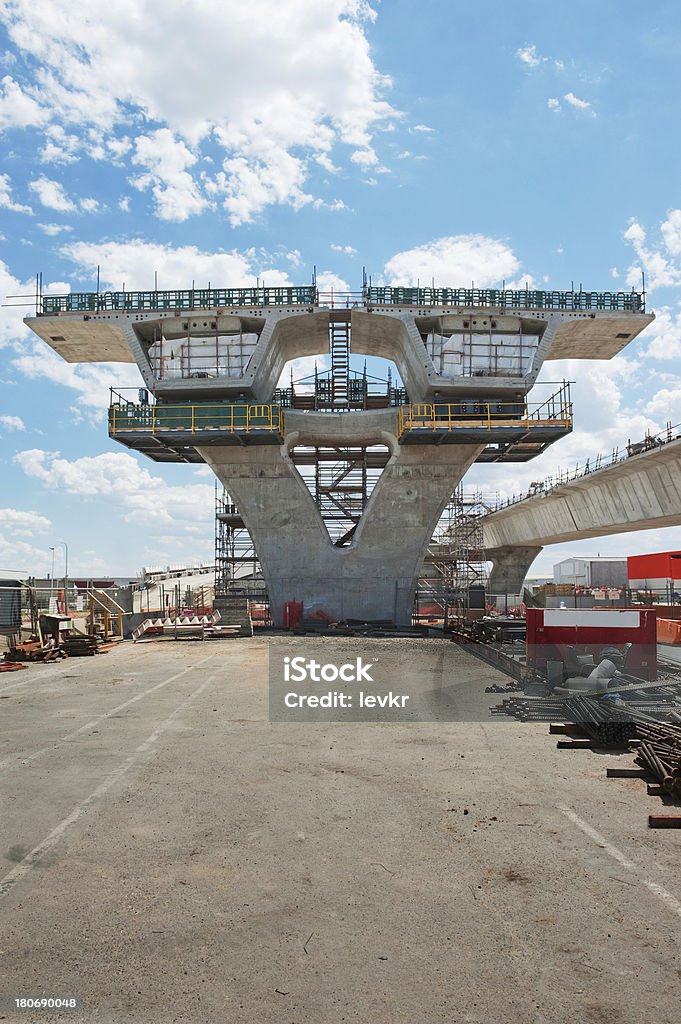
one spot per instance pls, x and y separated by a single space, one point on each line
455 563
237 569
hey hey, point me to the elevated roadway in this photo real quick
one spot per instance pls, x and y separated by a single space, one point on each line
641 492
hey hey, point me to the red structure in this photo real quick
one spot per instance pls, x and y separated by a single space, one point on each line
661 566
587 631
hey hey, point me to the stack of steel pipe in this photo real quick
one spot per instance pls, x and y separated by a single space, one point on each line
606 722
663 760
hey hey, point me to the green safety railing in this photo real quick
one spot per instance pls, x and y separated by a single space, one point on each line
194 418
631 302
258 298
192 298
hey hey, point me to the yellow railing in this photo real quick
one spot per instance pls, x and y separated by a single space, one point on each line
445 416
194 419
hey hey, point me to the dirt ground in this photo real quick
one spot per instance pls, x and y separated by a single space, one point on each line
169 854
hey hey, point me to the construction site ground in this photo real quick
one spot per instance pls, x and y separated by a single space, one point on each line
168 854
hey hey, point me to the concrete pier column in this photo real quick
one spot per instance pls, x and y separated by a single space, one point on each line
375 576
510 567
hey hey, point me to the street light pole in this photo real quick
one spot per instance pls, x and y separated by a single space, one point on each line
66 575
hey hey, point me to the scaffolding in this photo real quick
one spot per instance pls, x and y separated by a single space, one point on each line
341 481
237 568
455 572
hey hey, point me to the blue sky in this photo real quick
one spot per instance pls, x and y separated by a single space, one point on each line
204 141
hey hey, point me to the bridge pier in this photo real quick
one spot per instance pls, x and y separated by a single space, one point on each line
510 567
373 577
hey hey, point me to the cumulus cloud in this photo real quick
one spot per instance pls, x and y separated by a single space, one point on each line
663 336
327 281
18 109
575 101
59 147
531 58
528 55
317 89
661 261
90 381
346 250
135 262
6 201
11 326
54 229
12 422
453 261
18 522
167 161
52 195
119 479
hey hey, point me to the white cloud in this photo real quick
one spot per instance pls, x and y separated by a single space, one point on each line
15 521
11 326
528 55
453 261
422 128
346 250
303 369
575 101
553 104
317 89
17 108
21 559
671 232
135 262
59 147
167 160
124 204
119 479
664 335
91 381
52 195
54 229
662 262
665 404
12 422
328 281
6 201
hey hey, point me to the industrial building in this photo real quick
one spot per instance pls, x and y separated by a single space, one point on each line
340 489
591 572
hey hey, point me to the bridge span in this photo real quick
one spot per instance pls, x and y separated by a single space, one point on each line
641 492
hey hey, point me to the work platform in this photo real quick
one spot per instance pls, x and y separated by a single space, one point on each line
510 432
340 481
